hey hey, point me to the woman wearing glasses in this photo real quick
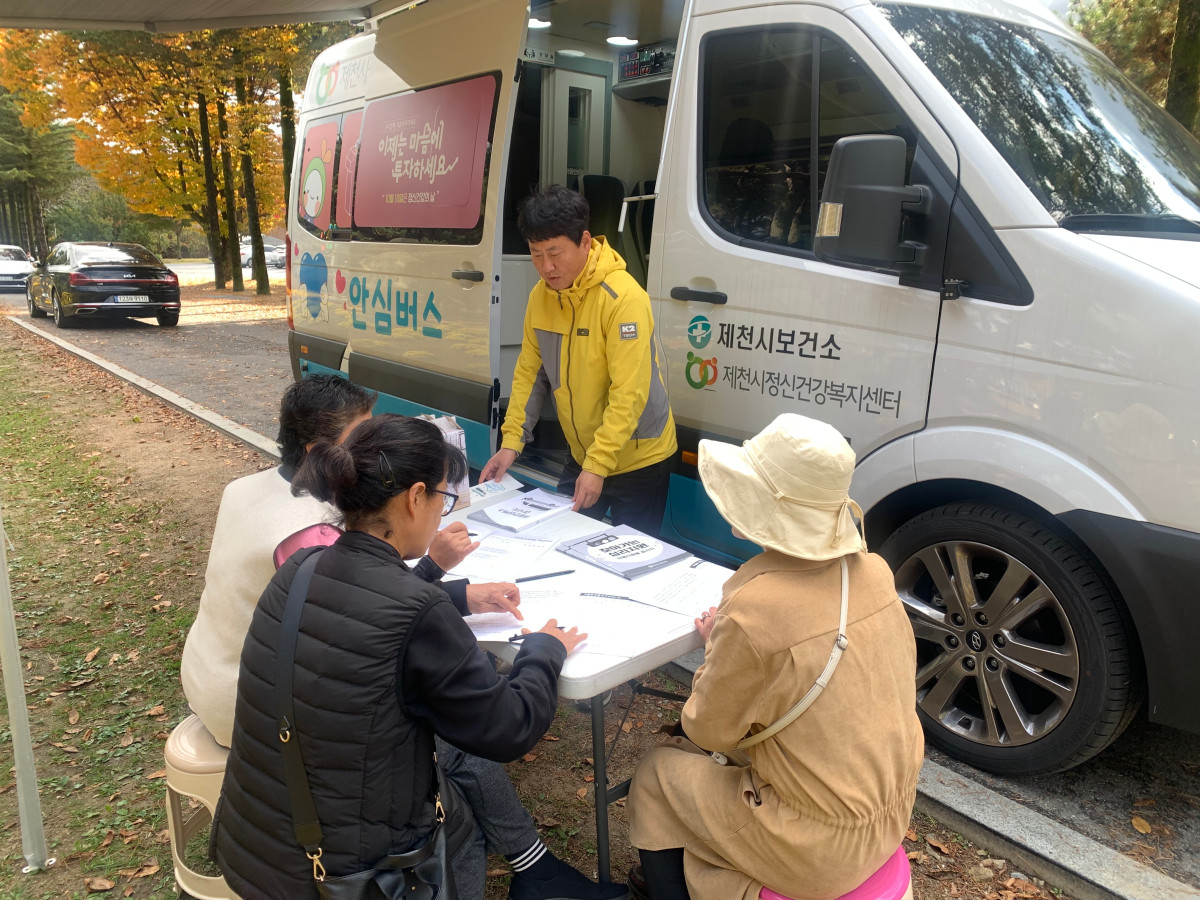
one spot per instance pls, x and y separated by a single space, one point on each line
386 672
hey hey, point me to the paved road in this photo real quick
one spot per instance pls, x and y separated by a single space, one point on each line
230 354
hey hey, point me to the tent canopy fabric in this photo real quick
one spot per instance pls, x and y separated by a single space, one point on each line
184 15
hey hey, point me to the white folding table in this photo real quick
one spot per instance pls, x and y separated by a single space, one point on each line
654 637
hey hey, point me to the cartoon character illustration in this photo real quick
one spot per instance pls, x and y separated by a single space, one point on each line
314 186
314 275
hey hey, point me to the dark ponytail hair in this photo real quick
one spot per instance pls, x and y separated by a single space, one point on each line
381 458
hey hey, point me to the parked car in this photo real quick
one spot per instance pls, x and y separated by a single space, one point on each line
270 244
15 266
103 280
277 256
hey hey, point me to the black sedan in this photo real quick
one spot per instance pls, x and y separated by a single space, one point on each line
103 281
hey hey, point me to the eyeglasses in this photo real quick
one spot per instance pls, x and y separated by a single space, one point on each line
448 501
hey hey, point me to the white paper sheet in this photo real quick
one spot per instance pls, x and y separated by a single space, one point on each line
505 557
615 625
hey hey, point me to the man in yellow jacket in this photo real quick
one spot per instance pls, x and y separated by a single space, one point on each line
589 341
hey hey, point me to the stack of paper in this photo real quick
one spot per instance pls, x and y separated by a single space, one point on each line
623 551
523 511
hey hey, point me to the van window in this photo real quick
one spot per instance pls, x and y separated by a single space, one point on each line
421 168
1096 152
316 175
347 163
764 152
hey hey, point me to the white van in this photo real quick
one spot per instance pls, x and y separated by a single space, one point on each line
951 230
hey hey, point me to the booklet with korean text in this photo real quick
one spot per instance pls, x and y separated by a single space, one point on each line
522 511
623 551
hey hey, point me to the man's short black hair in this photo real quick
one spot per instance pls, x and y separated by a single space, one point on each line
318 408
553 211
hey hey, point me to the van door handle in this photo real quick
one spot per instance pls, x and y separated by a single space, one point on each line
467 274
682 293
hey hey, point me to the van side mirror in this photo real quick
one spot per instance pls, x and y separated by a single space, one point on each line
863 204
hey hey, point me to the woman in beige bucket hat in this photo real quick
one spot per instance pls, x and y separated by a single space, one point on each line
799 766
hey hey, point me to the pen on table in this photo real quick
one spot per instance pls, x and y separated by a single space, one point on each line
543 575
521 637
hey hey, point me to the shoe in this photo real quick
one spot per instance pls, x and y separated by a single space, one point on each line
558 881
637 884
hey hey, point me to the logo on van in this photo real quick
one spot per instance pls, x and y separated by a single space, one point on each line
705 373
699 332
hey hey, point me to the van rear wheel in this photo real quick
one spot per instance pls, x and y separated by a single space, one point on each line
1025 662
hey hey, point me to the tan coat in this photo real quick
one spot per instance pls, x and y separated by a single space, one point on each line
825 801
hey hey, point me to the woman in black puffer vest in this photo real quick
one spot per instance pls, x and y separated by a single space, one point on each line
385 666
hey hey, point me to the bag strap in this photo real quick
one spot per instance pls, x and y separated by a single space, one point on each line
823 679
304 811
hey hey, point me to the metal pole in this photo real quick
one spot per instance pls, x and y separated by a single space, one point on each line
29 805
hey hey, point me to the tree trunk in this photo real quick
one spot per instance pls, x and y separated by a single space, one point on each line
6 236
287 128
262 284
212 226
39 226
1183 84
231 229
31 243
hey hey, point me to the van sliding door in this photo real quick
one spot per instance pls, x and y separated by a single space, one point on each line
421 271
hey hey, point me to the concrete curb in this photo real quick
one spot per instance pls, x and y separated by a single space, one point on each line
1034 843
217 421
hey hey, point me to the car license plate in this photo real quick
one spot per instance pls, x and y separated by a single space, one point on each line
133 298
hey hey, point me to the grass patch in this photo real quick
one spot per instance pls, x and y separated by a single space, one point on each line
104 587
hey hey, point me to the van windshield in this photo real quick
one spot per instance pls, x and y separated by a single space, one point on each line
1096 151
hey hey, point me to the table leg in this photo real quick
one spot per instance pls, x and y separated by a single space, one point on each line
601 785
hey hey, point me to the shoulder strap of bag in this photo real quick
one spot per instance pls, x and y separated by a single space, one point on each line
823 679
304 811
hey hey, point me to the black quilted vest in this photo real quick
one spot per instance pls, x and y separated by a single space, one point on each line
369 765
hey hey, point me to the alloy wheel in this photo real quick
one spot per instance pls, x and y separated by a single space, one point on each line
997 659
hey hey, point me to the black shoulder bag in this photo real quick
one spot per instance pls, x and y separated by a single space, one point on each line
421 874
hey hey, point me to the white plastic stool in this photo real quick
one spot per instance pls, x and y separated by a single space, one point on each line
195 768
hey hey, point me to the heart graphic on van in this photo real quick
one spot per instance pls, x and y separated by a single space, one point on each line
339 281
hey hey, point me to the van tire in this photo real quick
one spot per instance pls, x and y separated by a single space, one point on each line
1063 618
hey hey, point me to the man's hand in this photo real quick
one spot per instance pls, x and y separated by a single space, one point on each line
705 623
500 596
587 490
569 637
498 465
450 546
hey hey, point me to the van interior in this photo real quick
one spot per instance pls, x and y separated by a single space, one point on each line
591 113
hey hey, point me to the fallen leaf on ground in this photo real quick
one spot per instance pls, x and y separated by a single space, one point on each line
626 727
155 711
581 793
529 757
161 773
102 578
91 655
1140 825
73 716
127 738
98 885
496 873
549 737
1143 802
589 778
936 842
910 835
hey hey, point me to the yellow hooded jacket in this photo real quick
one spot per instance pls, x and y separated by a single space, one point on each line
592 346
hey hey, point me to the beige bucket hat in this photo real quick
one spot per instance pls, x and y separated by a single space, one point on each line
787 488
